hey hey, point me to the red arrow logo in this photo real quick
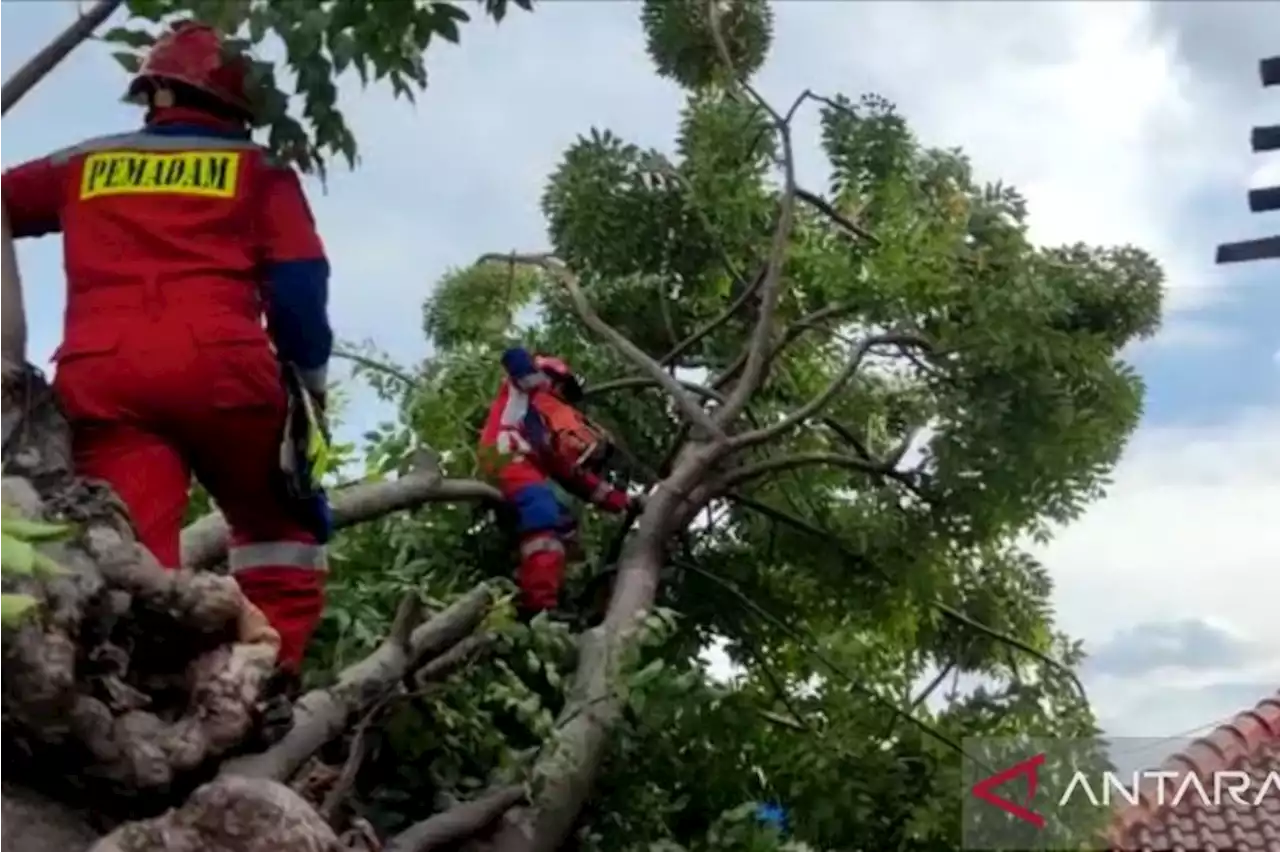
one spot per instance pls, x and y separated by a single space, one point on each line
1030 768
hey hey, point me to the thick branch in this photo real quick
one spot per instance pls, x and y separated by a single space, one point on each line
322 714
458 823
814 406
637 382
568 762
54 52
14 317
205 542
771 289
687 404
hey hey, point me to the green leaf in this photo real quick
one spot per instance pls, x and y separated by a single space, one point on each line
17 556
26 530
132 38
14 608
45 566
130 62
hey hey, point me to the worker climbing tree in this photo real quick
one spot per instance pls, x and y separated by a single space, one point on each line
533 436
846 405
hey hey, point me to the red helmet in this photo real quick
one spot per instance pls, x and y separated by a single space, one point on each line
563 377
193 54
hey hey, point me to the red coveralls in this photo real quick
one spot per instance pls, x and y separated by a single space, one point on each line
165 368
516 449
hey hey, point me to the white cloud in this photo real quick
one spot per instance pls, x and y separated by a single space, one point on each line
1188 532
1084 106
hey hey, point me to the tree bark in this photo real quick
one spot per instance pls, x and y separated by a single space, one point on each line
39 66
14 318
323 714
204 542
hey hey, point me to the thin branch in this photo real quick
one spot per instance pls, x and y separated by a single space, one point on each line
771 289
664 307
454 659
376 366
351 767
747 472
825 208
833 541
817 653
758 348
779 688
792 333
718 320
49 57
695 413
662 165
932 685
797 417
459 823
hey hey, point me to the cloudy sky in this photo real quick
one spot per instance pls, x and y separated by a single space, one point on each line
1120 122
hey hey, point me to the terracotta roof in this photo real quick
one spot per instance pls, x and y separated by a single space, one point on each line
1248 743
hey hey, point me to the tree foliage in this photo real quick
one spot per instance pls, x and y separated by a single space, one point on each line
842 572
321 41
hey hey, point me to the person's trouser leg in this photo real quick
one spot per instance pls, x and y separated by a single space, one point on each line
539 515
276 561
146 472
235 446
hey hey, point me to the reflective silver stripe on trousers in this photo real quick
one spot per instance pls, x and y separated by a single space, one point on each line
601 492
277 554
547 544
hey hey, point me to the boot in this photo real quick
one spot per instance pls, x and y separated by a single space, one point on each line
275 707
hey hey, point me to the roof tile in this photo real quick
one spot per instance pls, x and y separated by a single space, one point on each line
1248 743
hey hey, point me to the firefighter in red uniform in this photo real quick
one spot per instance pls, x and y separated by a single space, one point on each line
533 436
178 238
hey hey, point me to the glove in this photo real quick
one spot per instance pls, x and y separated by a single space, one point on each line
615 501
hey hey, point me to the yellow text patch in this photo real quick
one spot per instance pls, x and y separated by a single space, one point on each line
211 174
